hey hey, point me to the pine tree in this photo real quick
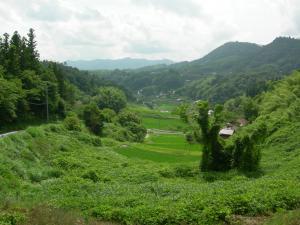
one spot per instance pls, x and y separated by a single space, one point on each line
4 48
33 55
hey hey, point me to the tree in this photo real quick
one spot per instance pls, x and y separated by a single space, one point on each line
213 156
10 94
108 115
182 112
250 108
111 98
126 117
14 55
133 123
4 48
32 53
93 118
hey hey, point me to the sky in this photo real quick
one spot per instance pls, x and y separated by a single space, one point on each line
179 30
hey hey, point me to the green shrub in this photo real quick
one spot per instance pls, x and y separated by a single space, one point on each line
127 117
35 132
184 171
72 122
11 218
93 118
108 115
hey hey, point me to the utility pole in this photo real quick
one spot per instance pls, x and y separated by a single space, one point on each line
47 104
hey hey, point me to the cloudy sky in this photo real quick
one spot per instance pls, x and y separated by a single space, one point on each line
153 29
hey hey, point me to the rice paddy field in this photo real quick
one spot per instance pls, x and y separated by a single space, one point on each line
163 148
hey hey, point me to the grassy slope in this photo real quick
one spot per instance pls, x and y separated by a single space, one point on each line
109 186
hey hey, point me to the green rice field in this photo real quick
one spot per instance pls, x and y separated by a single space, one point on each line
163 148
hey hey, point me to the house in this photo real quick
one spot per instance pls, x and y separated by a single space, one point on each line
226 132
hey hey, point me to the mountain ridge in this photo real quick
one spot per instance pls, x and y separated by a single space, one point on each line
111 64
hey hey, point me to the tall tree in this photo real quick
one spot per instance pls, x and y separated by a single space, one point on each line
4 48
33 55
14 53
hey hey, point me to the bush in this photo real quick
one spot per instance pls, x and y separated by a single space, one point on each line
72 122
132 123
108 115
127 117
138 131
111 98
7 218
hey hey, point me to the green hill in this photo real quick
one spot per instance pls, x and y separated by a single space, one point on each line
232 69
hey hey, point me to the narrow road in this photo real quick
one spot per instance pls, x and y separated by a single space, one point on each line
6 134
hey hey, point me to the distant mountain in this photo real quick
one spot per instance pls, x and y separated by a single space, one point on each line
233 69
235 57
110 64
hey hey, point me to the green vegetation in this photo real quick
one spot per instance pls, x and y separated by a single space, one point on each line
282 218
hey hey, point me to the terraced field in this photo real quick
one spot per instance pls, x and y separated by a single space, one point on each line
163 148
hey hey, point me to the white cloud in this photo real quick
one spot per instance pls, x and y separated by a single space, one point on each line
175 29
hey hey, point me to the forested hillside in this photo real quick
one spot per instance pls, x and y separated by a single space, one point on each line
233 69
31 90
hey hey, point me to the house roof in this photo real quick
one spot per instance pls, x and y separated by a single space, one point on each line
226 131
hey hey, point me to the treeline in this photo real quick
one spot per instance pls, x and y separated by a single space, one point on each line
26 86
31 89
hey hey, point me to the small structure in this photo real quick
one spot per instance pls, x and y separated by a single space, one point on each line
226 132
210 112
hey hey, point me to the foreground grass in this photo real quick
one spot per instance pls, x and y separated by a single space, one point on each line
69 170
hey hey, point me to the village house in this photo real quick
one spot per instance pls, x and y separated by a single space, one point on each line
227 131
